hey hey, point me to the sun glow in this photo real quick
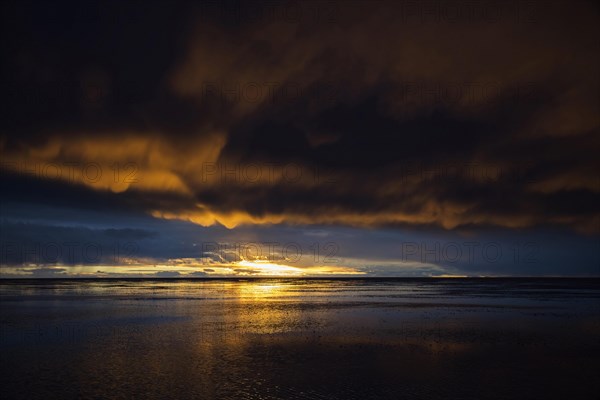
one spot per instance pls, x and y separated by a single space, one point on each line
271 269
181 268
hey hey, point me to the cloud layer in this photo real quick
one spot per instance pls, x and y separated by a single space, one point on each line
362 113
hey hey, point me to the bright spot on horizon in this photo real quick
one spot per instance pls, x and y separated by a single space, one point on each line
268 268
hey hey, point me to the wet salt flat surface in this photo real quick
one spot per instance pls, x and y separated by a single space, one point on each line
300 339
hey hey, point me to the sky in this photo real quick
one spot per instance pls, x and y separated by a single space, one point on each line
301 138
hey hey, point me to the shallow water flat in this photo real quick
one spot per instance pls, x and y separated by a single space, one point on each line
301 339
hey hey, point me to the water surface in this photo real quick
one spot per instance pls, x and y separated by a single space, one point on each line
300 339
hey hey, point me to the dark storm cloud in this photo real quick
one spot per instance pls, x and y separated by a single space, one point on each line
27 243
359 113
